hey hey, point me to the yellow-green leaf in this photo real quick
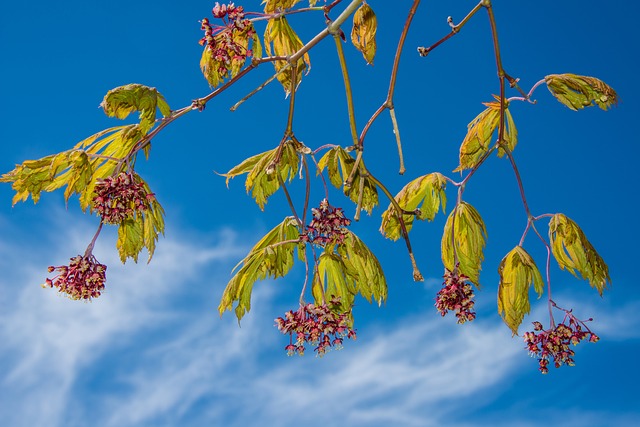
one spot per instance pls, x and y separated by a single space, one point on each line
141 231
271 257
578 92
339 165
281 40
510 133
123 100
517 272
263 171
573 251
425 193
465 231
362 263
363 33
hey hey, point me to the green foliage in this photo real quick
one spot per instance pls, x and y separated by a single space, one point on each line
339 165
425 194
363 33
517 272
281 40
573 251
141 231
266 171
271 257
477 142
464 239
578 92
349 270
123 100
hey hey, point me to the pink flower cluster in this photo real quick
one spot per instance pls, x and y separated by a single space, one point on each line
553 343
327 226
319 326
228 42
456 295
119 198
83 278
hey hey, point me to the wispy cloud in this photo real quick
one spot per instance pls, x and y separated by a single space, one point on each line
152 351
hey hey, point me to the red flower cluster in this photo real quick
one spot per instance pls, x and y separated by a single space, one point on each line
316 325
83 278
229 42
456 294
554 342
117 199
327 226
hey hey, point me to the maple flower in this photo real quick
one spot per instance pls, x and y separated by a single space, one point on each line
119 198
456 295
554 343
83 278
318 325
327 226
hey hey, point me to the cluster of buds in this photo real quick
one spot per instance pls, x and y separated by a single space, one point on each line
229 42
82 279
119 198
327 226
554 343
456 295
319 326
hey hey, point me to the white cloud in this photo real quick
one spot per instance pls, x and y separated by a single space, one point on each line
152 351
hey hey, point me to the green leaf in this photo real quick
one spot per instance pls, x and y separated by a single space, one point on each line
336 280
141 231
573 251
340 164
465 231
363 33
262 171
77 169
578 92
477 141
271 257
517 272
123 100
281 40
426 193
364 265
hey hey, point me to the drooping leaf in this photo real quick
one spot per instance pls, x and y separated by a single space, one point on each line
339 165
426 193
477 141
123 100
77 169
281 40
262 171
363 33
335 280
465 231
142 230
517 272
578 92
271 257
363 264
573 251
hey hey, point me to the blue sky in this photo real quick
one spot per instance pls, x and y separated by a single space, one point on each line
152 351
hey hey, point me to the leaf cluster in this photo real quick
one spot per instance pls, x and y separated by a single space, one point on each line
573 251
339 165
424 196
517 272
578 92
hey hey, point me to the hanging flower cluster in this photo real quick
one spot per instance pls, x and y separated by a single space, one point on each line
554 343
228 44
317 325
83 278
456 295
327 226
119 198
